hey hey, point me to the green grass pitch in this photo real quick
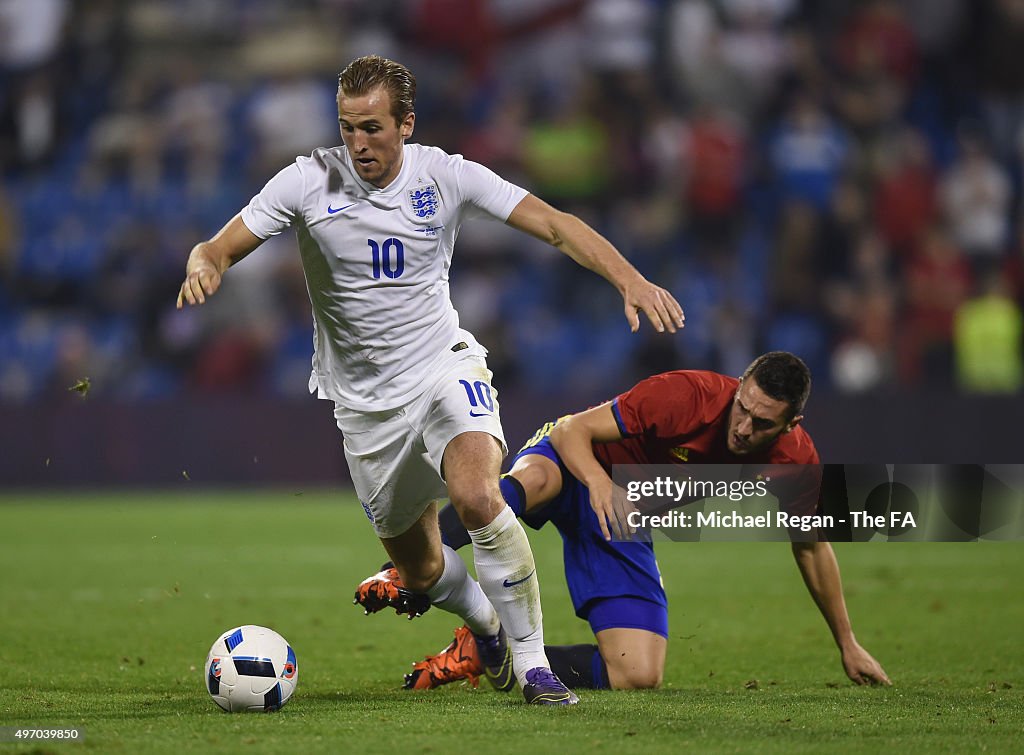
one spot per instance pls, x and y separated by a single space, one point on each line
109 603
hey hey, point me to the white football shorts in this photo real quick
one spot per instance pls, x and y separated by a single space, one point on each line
395 456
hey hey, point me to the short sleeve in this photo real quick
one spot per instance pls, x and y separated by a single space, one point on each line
485 190
277 205
665 405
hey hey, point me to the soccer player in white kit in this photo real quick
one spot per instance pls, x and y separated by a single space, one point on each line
376 222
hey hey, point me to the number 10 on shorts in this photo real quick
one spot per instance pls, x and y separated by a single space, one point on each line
479 394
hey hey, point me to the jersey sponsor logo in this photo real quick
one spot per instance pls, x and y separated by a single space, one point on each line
430 230
506 583
681 452
424 201
369 513
332 210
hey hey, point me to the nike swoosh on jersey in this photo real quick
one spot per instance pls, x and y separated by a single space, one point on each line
506 583
479 414
331 210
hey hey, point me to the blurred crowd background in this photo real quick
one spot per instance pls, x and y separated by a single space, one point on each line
842 179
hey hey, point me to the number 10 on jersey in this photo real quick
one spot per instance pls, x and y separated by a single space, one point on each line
388 257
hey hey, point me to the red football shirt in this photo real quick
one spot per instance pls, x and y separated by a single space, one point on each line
682 417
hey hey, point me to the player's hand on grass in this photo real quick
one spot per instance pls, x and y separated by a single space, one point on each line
862 668
659 305
612 508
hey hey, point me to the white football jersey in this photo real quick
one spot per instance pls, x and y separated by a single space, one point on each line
376 264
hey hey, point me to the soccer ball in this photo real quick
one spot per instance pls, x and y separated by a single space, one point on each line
251 668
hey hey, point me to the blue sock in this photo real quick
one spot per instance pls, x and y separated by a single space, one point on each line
453 534
598 671
513 493
578 666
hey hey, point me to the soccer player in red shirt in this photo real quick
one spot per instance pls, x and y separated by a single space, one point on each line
563 475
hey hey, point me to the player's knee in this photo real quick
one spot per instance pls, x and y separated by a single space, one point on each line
639 680
477 505
635 675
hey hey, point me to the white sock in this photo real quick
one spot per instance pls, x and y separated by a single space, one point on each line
459 593
508 575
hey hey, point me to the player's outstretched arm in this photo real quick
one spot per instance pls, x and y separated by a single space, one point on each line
820 570
209 259
573 438
587 247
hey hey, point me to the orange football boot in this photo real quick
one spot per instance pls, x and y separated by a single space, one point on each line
460 660
385 589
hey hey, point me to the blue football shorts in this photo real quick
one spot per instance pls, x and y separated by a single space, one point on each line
612 584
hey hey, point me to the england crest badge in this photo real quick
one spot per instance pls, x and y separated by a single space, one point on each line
424 201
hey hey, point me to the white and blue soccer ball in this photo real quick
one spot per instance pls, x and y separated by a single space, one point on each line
251 668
